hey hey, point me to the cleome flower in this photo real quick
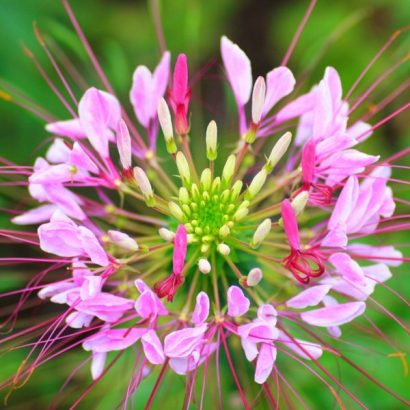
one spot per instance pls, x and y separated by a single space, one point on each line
197 267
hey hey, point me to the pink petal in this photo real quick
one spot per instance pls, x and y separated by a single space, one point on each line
334 315
296 108
124 144
238 303
238 70
345 203
387 254
99 111
348 268
280 82
113 340
180 83
180 249
181 343
58 152
34 216
290 224
249 347
308 162
306 350
141 95
265 362
152 348
81 160
160 79
69 128
309 297
267 313
97 364
379 272
201 310
92 247
336 238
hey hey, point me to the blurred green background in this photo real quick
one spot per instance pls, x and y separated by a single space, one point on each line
345 34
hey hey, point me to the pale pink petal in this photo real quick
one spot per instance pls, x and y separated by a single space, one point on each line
58 152
181 343
309 297
69 128
113 340
296 108
35 216
306 350
238 303
201 310
81 160
379 272
336 238
265 362
334 315
386 254
152 348
348 268
124 144
78 320
97 364
267 312
238 70
249 347
280 82
141 94
160 79
92 247
360 130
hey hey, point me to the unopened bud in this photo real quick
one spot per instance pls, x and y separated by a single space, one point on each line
254 277
299 202
165 121
223 249
224 231
278 151
183 195
261 233
206 178
183 168
176 211
144 185
124 144
229 169
258 99
211 141
256 185
123 240
204 266
166 234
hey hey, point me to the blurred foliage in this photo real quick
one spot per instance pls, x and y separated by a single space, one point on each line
345 34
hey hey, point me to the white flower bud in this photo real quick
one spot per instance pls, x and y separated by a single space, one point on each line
176 211
183 195
258 99
299 202
124 144
123 240
183 168
256 185
224 231
204 266
166 234
278 151
223 249
254 277
211 141
261 233
165 121
144 185
229 169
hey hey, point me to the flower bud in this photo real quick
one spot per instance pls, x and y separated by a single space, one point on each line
165 121
206 178
299 202
261 233
176 211
258 99
204 266
124 144
123 240
256 185
183 195
254 277
144 185
183 168
211 141
224 231
278 151
229 169
166 234
223 249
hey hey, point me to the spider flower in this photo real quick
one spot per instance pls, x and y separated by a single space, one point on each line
247 263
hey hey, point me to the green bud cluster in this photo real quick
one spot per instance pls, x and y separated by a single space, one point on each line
211 208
